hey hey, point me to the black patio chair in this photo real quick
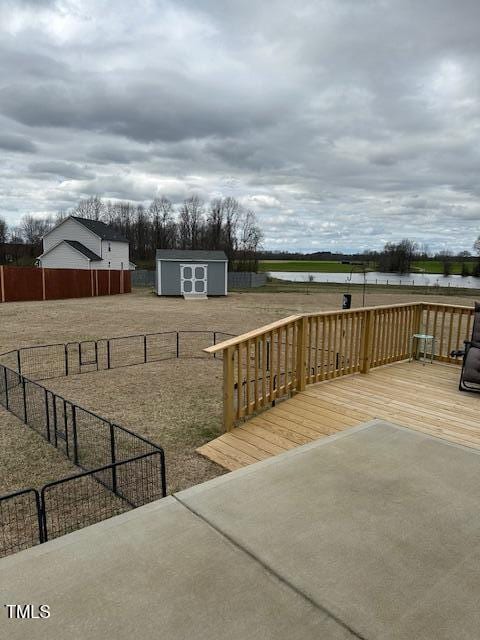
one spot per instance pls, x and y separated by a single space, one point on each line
470 376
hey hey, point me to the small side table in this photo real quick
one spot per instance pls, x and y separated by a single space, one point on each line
425 338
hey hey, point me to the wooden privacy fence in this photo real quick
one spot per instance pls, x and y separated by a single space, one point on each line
281 358
36 283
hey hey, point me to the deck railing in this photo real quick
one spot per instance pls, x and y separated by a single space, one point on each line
281 358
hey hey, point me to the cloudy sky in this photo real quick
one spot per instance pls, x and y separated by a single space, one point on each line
342 123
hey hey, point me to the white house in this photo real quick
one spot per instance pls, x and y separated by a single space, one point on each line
79 243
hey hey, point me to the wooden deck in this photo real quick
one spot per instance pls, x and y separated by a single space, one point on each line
424 398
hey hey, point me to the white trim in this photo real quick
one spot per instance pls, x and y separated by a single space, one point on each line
193 279
159 278
226 278
187 259
59 243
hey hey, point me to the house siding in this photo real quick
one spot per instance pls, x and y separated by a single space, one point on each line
64 256
118 256
71 230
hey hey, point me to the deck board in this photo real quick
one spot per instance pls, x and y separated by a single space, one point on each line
422 397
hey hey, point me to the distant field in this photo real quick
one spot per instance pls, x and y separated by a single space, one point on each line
326 266
435 266
330 266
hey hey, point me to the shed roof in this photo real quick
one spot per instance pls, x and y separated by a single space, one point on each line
183 254
104 231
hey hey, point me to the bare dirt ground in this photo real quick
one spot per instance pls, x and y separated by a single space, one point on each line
175 403
29 323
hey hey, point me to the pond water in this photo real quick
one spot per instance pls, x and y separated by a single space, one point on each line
377 277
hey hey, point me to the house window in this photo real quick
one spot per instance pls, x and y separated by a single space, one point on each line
109 246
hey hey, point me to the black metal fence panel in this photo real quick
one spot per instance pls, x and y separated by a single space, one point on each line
90 438
84 499
28 518
20 521
14 393
10 359
36 408
42 362
161 346
121 468
127 351
57 360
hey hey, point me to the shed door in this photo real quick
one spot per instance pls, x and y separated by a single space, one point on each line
193 279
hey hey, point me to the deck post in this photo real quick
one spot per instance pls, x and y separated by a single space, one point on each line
418 321
367 341
301 361
228 388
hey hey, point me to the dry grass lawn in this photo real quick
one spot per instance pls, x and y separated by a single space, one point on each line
26 460
175 403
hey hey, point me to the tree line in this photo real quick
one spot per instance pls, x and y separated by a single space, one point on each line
398 258
222 224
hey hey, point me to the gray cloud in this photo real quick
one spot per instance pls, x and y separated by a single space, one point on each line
61 169
343 124
14 142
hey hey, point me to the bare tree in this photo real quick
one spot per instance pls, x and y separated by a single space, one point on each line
60 216
227 226
397 257
33 229
15 235
164 227
215 222
92 208
191 223
249 242
476 246
3 230
142 227
445 257
231 210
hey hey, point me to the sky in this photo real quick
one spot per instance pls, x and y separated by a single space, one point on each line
343 124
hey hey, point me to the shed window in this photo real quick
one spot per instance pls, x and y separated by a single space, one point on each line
187 273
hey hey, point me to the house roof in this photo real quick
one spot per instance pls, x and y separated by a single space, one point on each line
78 246
181 254
100 229
83 249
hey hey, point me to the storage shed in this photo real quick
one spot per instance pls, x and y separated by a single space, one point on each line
192 274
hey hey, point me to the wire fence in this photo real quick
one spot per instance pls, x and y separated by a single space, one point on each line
121 470
83 499
42 362
21 523
30 517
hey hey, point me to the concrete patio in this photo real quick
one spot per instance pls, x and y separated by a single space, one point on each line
372 533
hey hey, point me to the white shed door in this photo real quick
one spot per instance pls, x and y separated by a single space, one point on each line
193 279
